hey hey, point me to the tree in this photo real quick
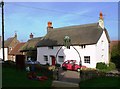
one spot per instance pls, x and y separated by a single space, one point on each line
115 55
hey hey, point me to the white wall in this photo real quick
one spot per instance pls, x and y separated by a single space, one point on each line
5 52
102 49
69 54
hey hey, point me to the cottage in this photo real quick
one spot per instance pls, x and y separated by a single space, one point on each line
30 47
89 44
9 45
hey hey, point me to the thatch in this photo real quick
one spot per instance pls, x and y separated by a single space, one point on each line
31 45
79 35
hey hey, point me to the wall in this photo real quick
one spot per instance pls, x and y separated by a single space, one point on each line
5 52
102 49
69 54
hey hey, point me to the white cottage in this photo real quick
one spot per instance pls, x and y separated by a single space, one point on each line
89 43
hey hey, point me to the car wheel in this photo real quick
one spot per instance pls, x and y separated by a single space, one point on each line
78 70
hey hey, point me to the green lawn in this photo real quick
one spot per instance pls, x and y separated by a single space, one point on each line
101 82
17 78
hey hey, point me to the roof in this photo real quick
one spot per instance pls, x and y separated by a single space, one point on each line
79 35
16 50
31 45
9 41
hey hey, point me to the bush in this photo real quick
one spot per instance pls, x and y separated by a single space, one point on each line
57 65
101 65
9 63
111 66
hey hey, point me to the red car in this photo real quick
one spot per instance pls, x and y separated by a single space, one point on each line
71 65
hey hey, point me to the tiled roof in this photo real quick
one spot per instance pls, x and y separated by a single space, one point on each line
79 35
16 50
31 44
9 41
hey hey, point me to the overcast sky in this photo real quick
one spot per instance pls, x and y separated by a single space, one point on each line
32 17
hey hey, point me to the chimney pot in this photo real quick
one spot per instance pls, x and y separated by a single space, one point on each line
101 15
49 24
49 27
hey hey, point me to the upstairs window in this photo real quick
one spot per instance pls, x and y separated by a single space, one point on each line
87 59
50 47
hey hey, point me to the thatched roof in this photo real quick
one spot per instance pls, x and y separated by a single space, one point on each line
79 35
31 45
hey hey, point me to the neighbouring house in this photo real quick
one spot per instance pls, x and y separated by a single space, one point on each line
1 51
89 43
9 44
16 51
30 48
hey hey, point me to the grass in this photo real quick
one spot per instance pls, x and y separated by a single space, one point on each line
101 82
17 78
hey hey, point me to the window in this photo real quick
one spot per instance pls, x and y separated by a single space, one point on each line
45 58
60 58
87 59
50 47
83 46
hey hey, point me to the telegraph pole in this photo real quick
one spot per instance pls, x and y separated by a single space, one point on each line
2 3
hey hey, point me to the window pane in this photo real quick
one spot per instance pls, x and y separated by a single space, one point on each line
45 58
87 59
60 58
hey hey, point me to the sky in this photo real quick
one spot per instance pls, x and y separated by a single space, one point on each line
32 17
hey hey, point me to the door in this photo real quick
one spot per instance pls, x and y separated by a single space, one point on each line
53 60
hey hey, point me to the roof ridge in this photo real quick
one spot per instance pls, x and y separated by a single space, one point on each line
82 25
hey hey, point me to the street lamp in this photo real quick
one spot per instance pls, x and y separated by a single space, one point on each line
67 43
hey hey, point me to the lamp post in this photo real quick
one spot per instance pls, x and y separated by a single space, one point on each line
67 43
2 5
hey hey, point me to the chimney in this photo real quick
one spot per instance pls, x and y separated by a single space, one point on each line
31 36
101 21
49 27
15 35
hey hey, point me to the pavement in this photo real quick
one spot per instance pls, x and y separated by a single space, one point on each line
67 79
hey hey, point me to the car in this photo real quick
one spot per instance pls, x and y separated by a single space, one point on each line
71 65
32 62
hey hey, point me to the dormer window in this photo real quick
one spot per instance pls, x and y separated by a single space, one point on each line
83 46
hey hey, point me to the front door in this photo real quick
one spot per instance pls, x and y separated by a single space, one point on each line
53 60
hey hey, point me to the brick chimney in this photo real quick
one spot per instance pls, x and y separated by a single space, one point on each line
31 36
101 21
49 27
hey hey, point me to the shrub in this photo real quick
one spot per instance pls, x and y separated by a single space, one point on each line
111 66
57 65
9 63
101 65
